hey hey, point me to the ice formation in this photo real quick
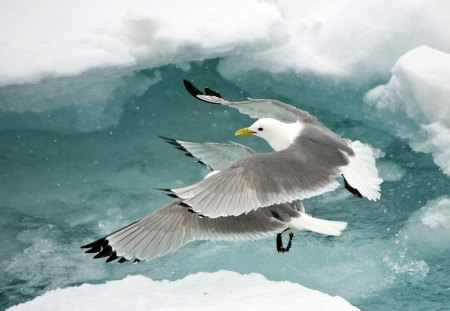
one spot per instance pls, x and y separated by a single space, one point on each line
222 290
358 40
67 38
420 86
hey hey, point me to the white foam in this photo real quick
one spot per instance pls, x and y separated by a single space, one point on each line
390 171
420 87
222 290
429 227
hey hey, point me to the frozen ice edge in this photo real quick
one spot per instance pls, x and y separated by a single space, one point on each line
221 290
419 87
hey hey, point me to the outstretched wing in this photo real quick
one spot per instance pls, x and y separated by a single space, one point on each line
256 108
305 169
174 225
216 156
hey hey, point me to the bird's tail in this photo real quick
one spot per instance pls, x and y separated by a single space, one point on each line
323 226
361 172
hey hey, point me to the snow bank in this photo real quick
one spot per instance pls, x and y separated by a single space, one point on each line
349 38
65 38
223 290
419 86
344 38
84 54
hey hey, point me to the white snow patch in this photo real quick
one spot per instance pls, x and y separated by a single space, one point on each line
355 39
222 290
66 38
83 53
420 86
346 38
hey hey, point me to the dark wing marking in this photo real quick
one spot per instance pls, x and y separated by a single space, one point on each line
174 225
257 108
216 156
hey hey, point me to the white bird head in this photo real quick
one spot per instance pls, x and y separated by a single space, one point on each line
278 134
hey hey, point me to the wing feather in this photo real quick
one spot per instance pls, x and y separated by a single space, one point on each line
173 226
258 108
216 156
305 169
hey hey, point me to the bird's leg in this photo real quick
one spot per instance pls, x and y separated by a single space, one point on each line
280 247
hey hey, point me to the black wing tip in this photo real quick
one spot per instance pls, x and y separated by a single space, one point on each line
210 92
191 88
166 138
168 192
180 147
164 189
103 249
175 143
171 141
194 91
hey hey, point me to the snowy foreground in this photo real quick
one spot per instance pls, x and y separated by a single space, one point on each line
223 290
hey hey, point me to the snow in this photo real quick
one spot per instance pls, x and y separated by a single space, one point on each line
420 86
222 290
64 38
68 66
345 38
349 39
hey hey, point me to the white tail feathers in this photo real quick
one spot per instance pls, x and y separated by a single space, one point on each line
323 226
361 172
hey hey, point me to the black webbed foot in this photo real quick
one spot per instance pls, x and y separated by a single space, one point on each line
280 247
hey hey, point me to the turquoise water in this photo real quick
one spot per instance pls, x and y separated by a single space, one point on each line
65 180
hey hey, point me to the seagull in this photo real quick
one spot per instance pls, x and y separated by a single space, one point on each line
307 158
176 224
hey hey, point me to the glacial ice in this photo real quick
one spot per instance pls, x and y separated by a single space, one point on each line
348 39
221 290
419 86
67 39
356 40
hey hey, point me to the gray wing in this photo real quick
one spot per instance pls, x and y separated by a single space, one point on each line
307 168
174 225
216 156
256 108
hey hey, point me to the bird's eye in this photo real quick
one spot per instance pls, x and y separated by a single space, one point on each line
260 129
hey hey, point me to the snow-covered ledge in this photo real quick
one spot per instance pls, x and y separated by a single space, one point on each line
222 290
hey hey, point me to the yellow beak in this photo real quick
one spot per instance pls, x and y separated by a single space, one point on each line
244 131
